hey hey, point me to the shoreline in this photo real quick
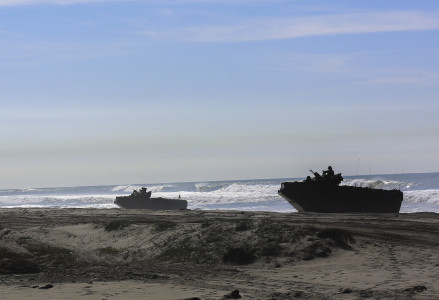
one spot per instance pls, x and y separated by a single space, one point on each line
208 254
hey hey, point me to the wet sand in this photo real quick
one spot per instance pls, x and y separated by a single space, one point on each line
126 254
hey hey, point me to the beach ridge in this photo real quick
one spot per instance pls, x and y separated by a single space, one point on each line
112 254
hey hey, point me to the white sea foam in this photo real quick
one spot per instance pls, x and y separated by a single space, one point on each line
57 201
131 188
233 194
209 186
125 188
379 183
120 188
422 196
260 189
158 188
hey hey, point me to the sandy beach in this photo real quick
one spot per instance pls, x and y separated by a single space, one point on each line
126 254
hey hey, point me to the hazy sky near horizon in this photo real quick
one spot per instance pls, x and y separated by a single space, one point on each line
111 92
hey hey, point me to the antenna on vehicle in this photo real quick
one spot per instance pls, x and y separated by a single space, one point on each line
356 174
398 178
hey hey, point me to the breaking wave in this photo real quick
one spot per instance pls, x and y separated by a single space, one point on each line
131 188
379 184
250 189
79 201
209 186
422 196
228 194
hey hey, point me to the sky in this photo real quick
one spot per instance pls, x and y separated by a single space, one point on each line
102 92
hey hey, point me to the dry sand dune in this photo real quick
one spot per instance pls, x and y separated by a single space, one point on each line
124 254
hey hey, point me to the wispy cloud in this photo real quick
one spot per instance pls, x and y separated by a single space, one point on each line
68 2
28 53
59 2
407 78
397 81
324 63
305 26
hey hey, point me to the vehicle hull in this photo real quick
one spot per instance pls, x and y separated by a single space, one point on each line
139 202
327 198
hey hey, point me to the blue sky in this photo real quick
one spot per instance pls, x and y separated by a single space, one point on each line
112 92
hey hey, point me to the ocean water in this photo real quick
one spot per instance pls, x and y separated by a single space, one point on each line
421 193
